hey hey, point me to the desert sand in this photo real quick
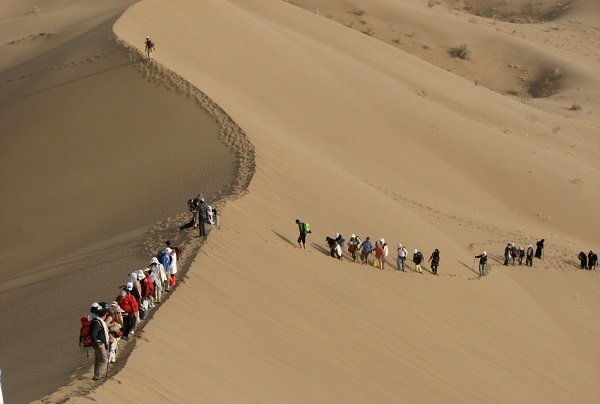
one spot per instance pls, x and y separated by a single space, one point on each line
356 133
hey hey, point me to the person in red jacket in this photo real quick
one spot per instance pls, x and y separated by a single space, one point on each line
128 303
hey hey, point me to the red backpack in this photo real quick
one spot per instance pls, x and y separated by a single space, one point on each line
85 339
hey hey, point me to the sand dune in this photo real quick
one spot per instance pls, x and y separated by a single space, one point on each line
354 135
97 147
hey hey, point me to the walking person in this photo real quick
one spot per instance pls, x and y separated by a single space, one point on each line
202 218
592 260
353 244
482 263
583 260
386 251
193 208
402 254
539 248
529 256
379 254
100 338
417 259
149 47
303 229
521 255
129 304
507 254
365 250
435 261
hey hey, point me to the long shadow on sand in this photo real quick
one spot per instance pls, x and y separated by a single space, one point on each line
284 238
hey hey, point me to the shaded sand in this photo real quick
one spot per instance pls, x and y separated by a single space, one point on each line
97 147
354 135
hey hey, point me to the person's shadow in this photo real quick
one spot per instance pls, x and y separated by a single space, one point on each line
320 248
284 238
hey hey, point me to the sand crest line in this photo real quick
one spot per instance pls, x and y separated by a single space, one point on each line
234 138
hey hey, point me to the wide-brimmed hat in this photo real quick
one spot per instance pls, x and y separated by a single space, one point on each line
114 306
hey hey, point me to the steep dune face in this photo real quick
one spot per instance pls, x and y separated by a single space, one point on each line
355 136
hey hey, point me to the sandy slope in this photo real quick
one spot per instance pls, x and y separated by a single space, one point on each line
97 146
356 136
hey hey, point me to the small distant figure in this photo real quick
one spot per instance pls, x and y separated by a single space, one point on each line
100 338
539 249
592 260
521 255
482 263
304 229
340 240
335 251
417 259
435 261
583 259
149 48
402 254
192 204
203 218
379 254
366 247
507 254
216 217
529 256
353 244
386 251
514 253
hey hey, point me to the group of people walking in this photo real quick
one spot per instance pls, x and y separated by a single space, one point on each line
369 252
202 214
514 254
108 323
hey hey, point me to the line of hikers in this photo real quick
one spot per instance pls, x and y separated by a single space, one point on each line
108 323
370 253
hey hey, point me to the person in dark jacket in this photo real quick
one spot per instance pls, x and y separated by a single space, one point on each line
539 248
592 260
417 259
99 334
507 253
583 259
435 261
482 263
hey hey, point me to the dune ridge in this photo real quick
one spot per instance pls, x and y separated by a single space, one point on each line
355 136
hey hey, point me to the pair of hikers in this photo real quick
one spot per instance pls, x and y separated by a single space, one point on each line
202 214
588 261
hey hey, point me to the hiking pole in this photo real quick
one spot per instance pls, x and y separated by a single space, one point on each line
473 266
107 364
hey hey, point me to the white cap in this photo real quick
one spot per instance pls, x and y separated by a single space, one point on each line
337 235
129 286
352 236
416 251
484 253
168 250
382 240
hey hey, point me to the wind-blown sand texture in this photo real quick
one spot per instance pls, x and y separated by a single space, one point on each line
356 135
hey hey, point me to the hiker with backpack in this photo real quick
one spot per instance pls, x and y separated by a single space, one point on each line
149 47
159 276
193 208
129 304
402 254
100 338
303 229
529 256
435 261
366 247
353 244
521 255
335 251
482 263
417 259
